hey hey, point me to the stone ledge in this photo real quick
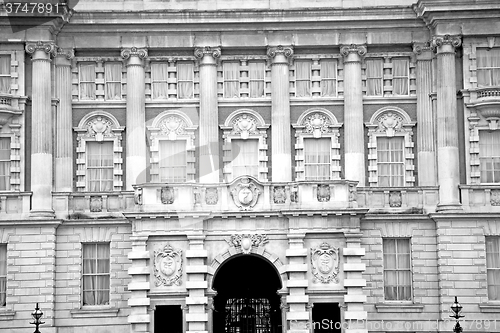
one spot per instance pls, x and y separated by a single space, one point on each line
7 314
399 307
93 312
489 307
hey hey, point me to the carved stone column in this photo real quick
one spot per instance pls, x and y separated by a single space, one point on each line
354 143
209 170
426 151
281 168
41 129
136 118
64 136
447 123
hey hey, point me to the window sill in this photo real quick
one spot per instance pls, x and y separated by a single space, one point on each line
490 307
7 314
93 312
399 307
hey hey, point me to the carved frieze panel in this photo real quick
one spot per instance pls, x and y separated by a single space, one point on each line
168 266
245 193
96 204
324 193
279 194
395 199
244 125
247 241
325 263
495 197
167 195
211 196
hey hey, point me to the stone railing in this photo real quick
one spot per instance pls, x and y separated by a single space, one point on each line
493 92
81 205
398 199
484 198
14 205
10 106
246 194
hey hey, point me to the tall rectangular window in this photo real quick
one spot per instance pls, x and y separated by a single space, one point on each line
87 80
231 72
113 78
4 164
488 67
96 273
489 156
185 80
257 72
317 158
397 269
374 77
245 154
159 76
3 274
173 161
100 166
302 78
400 76
390 161
328 72
5 74
493 267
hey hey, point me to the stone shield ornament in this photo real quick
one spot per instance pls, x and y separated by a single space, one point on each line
245 194
167 195
279 194
168 266
325 263
211 196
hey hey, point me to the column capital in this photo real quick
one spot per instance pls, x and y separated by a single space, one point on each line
346 50
200 52
422 50
134 52
64 56
446 44
47 47
273 51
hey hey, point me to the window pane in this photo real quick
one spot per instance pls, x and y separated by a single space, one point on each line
317 158
5 74
245 154
302 78
390 161
489 156
159 75
328 74
99 166
400 76
87 81
113 77
231 79
397 268
4 164
96 279
374 75
257 73
185 77
488 66
173 162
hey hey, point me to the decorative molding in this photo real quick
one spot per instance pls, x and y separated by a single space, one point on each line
323 192
395 199
211 195
273 51
214 52
325 263
47 47
279 194
142 53
168 266
245 193
247 241
167 195
96 204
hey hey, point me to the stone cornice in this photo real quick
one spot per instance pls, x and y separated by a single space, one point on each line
214 52
142 53
48 47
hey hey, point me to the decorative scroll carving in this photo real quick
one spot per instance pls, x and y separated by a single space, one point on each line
395 199
67 53
244 125
200 52
317 124
167 195
247 241
273 51
211 195
353 48
245 194
353 192
294 194
495 197
419 48
134 51
454 41
324 193
168 266
173 126
138 195
325 263
390 123
279 194
96 204
196 195
99 127
47 47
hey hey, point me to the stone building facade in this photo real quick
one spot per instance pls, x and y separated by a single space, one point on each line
226 166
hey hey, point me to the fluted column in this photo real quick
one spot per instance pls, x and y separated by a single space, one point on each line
426 151
209 123
281 168
354 143
447 123
136 117
64 138
41 129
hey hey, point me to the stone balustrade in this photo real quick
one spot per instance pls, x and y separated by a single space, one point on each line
421 199
483 198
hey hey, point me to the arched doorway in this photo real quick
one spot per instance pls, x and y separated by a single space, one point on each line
247 299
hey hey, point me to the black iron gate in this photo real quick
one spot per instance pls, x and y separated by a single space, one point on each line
248 315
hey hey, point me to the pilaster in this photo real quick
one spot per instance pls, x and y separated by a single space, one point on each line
297 314
426 150
196 284
139 302
209 171
354 145
136 116
447 123
354 315
281 149
64 134
41 128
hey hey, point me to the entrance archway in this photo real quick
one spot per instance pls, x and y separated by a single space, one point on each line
247 299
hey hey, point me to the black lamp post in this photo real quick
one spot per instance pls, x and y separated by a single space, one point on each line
457 309
37 314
